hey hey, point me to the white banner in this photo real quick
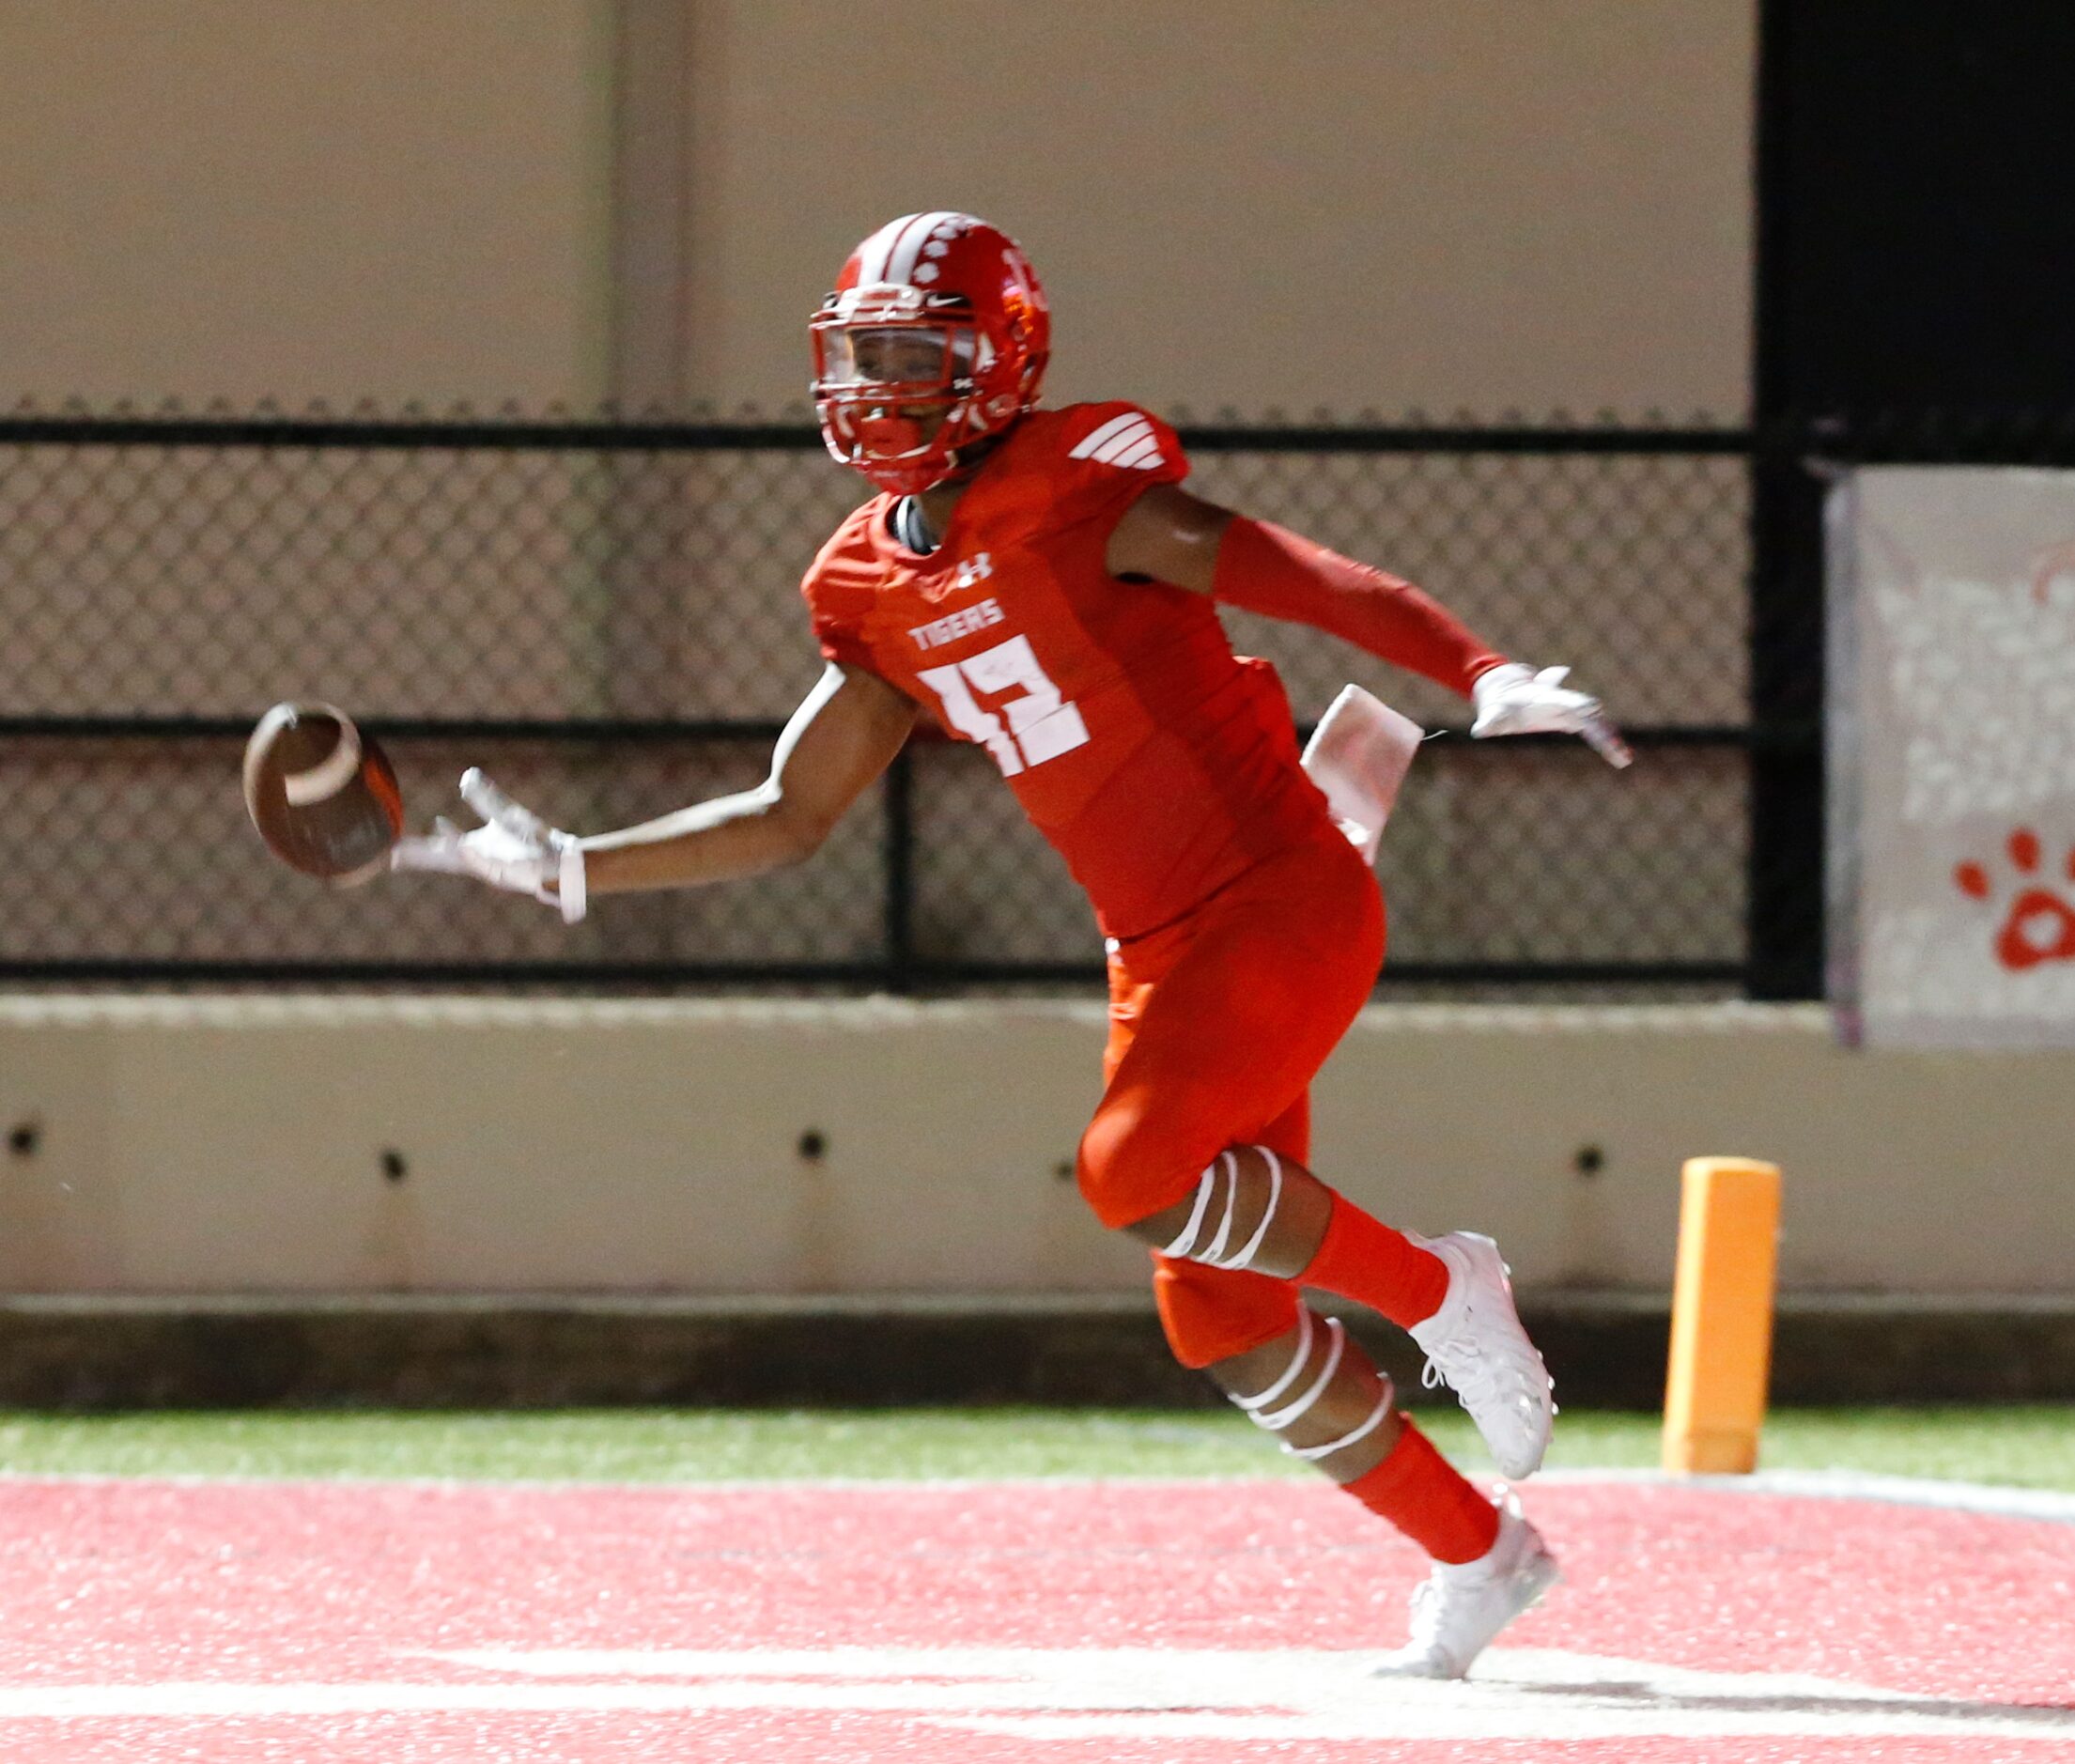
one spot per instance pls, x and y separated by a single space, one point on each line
1951 724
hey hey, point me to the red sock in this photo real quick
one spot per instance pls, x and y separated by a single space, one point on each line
1363 1259
1420 1492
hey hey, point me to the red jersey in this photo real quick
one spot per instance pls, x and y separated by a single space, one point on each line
1158 764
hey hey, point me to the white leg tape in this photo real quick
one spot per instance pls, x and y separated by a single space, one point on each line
1210 1254
1259 1409
1311 1454
1265 1397
1245 1258
1187 1241
1213 1254
1275 1420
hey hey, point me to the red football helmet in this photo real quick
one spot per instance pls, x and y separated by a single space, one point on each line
933 313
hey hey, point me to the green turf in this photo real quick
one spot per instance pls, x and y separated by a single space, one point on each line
2032 1447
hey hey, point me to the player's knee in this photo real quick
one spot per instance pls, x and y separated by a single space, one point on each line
1129 1169
1210 1318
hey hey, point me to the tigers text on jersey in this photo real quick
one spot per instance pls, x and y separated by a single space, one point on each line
1157 762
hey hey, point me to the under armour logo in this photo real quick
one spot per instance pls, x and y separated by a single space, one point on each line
975 570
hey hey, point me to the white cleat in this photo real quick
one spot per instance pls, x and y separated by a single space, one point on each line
1458 1609
1475 1345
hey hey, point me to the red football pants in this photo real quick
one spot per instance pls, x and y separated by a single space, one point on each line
1217 1024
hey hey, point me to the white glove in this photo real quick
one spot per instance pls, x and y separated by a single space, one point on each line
513 849
1513 699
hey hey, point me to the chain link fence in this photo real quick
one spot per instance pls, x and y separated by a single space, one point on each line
606 619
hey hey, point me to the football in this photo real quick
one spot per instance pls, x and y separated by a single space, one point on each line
322 794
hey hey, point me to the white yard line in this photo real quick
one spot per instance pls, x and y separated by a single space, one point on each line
1124 1695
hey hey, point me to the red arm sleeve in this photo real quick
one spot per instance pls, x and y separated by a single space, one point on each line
1266 568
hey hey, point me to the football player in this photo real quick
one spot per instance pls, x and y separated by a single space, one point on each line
1039 582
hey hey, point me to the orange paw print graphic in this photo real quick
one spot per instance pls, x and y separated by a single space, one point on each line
2040 925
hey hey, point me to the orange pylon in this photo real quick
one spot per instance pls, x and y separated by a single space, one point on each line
1721 1314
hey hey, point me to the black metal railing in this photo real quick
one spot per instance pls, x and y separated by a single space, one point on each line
604 617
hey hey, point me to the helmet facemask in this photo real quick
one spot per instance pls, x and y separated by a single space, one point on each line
903 382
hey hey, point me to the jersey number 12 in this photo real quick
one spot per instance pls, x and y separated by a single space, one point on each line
1042 725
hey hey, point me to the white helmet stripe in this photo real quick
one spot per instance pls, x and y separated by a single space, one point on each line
901 263
872 254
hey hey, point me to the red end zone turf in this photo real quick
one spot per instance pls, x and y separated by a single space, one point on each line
1069 1623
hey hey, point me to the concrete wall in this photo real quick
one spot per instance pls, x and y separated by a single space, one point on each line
1449 203
1442 203
237 1145
337 199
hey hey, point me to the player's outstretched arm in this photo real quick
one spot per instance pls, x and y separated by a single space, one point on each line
1169 536
844 733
